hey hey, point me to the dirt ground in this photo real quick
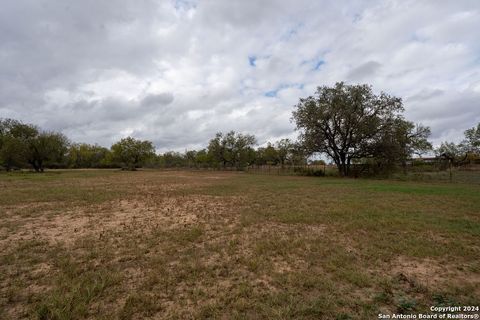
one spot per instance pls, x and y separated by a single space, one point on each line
153 244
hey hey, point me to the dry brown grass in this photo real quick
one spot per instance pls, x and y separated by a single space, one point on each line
151 244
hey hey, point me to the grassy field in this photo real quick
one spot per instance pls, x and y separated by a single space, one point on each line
152 244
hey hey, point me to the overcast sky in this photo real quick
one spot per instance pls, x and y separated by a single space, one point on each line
176 72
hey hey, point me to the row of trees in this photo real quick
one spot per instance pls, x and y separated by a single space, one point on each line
349 124
468 148
22 144
352 125
25 145
235 150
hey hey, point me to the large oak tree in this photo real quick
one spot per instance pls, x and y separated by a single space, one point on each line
351 122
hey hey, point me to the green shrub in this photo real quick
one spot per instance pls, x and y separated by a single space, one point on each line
313 172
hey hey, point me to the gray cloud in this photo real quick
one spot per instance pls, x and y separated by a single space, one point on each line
176 72
364 71
156 100
425 94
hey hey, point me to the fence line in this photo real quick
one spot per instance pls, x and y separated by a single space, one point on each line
286 169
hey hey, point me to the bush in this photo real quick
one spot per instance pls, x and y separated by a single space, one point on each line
313 172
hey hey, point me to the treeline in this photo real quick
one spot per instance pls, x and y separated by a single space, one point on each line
349 124
467 149
234 150
359 129
27 146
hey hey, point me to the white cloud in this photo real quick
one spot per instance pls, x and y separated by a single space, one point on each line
176 72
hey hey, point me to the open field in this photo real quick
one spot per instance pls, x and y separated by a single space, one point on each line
152 244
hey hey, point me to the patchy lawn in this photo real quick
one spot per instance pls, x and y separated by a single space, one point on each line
152 244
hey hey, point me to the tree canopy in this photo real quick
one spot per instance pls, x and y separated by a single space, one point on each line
468 148
471 143
232 149
132 152
350 122
83 155
23 143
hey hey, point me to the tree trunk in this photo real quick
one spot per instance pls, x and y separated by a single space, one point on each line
34 165
342 169
348 166
342 165
339 165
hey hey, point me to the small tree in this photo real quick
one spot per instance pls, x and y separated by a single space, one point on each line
12 152
285 149
469 148
25 143
46 147
202 159
232 149
471 143
82 155
132 152
398 142
12 144
267 155
172 159
449 150
190 158
298 154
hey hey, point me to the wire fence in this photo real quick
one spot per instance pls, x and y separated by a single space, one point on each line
291 169
416 171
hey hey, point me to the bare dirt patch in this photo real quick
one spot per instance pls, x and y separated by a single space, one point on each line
138 215
154 244
430 272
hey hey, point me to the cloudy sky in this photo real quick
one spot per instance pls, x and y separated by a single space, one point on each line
176 72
